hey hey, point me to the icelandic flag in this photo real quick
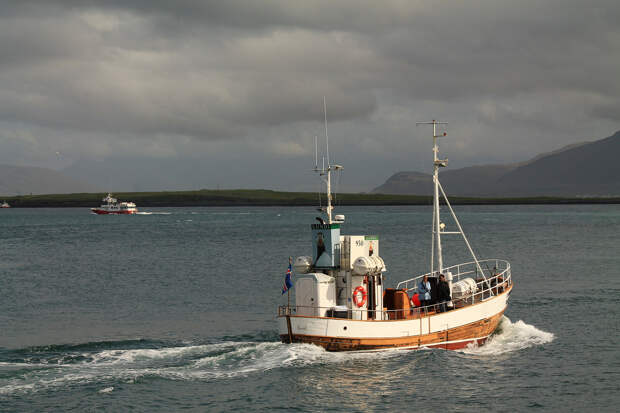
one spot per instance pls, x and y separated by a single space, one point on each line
287 280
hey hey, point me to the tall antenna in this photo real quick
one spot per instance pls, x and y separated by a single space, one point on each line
316 153
326 137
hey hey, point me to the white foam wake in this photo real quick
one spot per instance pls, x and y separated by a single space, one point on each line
511 337
199 362
214 361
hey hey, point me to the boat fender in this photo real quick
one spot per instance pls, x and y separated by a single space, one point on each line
359 296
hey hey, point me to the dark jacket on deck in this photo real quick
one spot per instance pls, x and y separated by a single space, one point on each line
443 291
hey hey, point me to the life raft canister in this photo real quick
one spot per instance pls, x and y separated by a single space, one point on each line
359 296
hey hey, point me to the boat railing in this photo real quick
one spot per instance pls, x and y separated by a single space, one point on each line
501 268
485 289
358 314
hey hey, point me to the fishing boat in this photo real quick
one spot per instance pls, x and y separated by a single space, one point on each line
111 206
341 302
4 204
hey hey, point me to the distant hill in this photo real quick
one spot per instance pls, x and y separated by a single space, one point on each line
584 169
22 180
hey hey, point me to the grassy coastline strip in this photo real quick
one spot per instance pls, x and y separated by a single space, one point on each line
262 197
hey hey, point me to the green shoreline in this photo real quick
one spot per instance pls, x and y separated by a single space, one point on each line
261 197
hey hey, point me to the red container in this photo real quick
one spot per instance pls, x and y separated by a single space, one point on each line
415 300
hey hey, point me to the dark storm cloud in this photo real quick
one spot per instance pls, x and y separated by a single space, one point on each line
534 72
87 75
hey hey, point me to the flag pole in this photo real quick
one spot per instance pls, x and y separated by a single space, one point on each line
288 292
288 308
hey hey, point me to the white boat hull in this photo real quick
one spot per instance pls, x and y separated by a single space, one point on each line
451 330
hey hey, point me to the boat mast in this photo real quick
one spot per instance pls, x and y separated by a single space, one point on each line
329 175
436 231
326 172
436 166
438 226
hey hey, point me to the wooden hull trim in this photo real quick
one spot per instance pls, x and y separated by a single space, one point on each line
450 339
446 345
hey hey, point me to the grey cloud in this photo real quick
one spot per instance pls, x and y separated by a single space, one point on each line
323 15
536 73
96 85
609 110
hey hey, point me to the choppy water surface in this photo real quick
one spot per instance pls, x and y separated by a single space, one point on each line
175 311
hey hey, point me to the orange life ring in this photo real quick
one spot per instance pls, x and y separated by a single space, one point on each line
359 302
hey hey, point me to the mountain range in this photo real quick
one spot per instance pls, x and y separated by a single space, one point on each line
583 169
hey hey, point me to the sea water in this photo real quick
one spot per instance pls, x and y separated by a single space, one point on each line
176 311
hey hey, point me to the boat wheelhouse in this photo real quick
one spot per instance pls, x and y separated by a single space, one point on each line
341 302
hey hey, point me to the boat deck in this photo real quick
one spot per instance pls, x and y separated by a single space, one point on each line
497 281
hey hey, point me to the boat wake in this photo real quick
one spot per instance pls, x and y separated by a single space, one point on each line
107 364
511 337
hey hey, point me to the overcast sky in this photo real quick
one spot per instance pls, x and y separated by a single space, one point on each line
199 94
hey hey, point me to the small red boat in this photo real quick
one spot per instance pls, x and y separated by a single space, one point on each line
112 206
